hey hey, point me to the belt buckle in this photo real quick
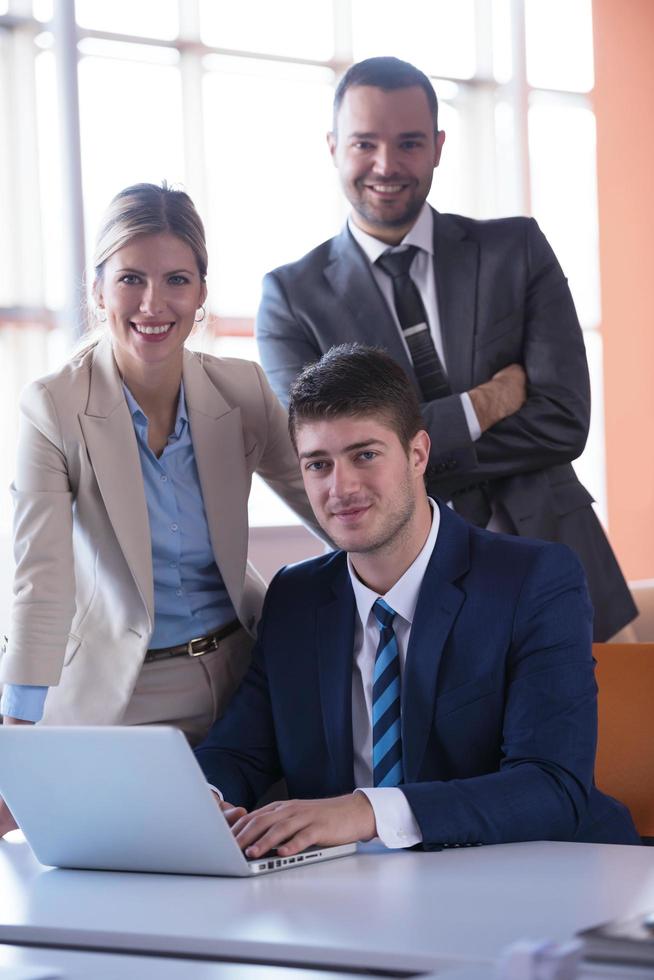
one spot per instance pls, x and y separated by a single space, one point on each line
191 651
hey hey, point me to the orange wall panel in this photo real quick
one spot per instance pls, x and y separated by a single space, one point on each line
624 107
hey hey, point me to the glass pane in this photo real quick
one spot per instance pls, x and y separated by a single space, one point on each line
7 294
273 193
53 214
26 353
448 190
4 6
502 54
564 196
20 214
509 192
293 28
560 44
436 35
266 509
455 187
142 17
43 9
132 130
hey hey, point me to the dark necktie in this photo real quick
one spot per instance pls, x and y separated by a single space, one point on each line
386 728
472 503
413 322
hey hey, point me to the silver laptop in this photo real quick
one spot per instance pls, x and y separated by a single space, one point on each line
123 799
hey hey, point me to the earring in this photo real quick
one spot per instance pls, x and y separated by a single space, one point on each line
199 319
100 314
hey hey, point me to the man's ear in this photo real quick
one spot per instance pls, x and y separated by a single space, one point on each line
419 452
331 143
440 139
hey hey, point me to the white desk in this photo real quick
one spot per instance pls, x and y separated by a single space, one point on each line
587 971
392 910
80 965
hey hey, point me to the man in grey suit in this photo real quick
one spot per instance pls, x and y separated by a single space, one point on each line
478 313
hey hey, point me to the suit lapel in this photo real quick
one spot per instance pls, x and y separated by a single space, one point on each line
220 456
335 642
439 602
457 266
111 443
353 283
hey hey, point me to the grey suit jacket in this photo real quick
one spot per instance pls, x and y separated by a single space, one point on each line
83 606
502 298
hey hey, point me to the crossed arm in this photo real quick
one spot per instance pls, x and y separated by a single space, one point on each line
286 348
532 414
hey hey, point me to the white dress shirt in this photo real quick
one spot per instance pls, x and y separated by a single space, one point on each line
422 273
396 824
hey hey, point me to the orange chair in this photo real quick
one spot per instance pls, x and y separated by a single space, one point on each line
625 749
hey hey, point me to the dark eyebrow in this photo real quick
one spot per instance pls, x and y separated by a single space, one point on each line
414 134
346 449
173 272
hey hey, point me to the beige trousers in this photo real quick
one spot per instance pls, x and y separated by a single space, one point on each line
190 692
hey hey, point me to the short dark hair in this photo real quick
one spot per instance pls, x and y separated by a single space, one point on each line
351 380
387 74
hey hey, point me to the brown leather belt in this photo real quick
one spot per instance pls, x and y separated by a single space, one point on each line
196 647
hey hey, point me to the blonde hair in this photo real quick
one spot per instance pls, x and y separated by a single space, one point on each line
147 209
143 209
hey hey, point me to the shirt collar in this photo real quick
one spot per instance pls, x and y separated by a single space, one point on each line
141 419
420 234
403 596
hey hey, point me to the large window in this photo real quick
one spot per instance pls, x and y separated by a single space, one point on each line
232 101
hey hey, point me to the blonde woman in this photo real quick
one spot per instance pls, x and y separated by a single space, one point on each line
134 601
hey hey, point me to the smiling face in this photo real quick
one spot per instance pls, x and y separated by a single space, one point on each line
385 150
150 290
366 490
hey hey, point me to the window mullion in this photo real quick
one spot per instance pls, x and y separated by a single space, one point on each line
343 42
26 221
191 71
65 34
518 97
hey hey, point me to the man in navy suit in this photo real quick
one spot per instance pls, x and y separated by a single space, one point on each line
429 683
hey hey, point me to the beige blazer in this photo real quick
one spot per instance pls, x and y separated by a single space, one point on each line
83 604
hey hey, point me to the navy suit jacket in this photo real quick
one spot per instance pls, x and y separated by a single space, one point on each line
499 714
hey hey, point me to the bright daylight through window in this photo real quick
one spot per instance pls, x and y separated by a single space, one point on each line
232 102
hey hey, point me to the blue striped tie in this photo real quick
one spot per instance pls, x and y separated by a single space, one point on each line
386 731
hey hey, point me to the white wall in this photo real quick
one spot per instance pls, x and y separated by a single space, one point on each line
272 547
